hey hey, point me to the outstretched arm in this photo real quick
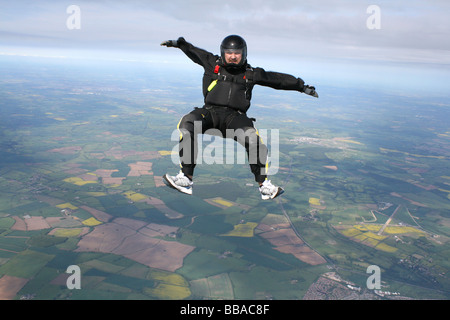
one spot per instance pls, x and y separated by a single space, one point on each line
197 55
283 81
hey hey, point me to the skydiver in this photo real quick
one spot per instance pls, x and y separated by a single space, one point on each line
228 82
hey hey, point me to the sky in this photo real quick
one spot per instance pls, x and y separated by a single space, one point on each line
402 42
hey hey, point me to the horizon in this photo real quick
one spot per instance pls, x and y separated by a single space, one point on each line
389 77
352 44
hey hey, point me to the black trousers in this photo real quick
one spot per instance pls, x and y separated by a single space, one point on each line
228 123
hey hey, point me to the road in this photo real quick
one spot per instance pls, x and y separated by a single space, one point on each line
280 203
388 220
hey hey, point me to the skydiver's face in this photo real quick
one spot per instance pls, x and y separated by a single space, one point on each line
233 56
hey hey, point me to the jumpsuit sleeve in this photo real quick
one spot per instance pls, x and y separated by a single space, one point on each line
202 57
277 80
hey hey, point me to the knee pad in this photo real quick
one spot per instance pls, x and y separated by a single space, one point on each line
186 121
190 123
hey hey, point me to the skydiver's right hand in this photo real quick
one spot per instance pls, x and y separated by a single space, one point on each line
170 43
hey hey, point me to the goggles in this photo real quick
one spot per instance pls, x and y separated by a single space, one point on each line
235 51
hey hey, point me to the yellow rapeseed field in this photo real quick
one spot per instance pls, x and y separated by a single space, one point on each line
367 227
168 278
91 222
385 247
223 202
134 196
401 229
171 286
351 232
168 292
166 153
367 235
314 201
375 236
78 181
66 205
242 230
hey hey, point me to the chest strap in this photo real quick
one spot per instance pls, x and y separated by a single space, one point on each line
247 78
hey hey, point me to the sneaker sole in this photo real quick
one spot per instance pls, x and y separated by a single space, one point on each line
169 182
280 191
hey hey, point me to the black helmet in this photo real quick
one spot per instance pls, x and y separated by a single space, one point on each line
234 43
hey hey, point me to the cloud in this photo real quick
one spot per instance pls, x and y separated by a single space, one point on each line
411 30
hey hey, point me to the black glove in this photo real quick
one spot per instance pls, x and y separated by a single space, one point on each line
170 43
174 43
310 90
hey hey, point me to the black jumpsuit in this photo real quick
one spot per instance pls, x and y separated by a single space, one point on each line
227 93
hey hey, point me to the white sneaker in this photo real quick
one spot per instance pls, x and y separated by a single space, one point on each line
269 191
179 182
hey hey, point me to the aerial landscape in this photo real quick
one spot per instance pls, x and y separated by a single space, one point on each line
92 92
84 146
